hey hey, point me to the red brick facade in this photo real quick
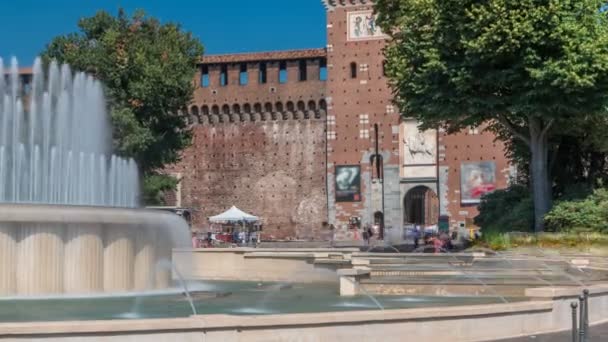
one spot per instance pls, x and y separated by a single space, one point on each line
259 146
272 146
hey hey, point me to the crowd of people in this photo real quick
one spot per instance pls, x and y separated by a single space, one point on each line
236 237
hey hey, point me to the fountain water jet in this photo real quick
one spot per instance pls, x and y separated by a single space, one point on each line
68 217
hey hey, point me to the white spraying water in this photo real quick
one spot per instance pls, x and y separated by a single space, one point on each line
55 142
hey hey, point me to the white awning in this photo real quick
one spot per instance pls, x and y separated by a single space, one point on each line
233 214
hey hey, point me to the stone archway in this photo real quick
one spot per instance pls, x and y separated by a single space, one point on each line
421 206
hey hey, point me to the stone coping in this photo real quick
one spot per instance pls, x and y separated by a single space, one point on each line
266 250
42 213
565 292
352 272
419 255
223 322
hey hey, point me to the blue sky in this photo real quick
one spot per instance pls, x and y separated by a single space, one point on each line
224 26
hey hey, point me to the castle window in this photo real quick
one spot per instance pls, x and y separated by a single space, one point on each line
302 75
283 72
224 75
205 76
323 70
243 74
353 70
263 74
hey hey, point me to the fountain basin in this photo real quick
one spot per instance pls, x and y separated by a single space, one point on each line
547 311
54 250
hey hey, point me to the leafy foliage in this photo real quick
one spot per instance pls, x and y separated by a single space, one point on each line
147 68
527 68
580 241
506 211
155 186
587 215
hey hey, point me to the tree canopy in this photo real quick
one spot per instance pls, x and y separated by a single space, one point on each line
527 68
147 68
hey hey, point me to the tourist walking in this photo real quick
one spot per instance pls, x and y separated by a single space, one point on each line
366 236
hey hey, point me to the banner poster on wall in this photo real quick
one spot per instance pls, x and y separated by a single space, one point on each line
348 183
476 180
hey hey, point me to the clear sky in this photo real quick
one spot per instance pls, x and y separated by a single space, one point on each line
223 26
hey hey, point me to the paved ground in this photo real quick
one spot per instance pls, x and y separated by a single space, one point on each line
597 333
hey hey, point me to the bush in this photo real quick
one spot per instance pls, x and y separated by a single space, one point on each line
503 241
587 215
506 211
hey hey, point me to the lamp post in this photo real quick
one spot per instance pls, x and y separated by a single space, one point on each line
379 162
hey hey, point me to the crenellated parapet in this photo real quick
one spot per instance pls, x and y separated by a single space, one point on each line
260 87
331 4
257 112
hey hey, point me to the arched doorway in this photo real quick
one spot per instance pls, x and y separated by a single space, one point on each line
379 221
421 206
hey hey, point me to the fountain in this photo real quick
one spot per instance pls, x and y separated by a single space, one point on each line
74 247
68 217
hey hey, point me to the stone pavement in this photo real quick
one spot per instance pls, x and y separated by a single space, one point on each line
597 333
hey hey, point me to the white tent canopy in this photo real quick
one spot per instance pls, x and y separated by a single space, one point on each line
233 214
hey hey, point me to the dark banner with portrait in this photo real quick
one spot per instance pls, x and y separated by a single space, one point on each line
476 180
348 183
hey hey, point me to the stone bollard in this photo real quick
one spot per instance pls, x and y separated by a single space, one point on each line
574 305
581 320
586 296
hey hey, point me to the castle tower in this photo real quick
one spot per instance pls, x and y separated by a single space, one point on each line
358 97
429 178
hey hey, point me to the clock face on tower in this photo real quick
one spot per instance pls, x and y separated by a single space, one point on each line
362 26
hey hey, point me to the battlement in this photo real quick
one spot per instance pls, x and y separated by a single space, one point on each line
257 112
331 4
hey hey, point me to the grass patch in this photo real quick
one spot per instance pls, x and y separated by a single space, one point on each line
503 241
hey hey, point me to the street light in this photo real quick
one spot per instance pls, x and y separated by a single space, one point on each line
378 160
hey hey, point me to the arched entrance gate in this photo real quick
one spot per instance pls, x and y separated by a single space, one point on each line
421 206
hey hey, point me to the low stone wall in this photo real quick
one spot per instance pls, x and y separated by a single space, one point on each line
549 312
259 264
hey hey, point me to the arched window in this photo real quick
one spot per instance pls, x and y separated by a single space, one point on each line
268 107
323 104
205 110
236 108
257 107
353 70
312 105
290 106
301 106
225 109
215 110
194 110
278 106
247 108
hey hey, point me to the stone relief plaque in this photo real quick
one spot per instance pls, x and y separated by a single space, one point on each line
362 26
420 147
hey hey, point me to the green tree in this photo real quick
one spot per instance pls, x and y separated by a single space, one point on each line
525 67
147 69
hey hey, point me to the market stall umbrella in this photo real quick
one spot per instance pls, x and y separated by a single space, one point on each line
233 215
